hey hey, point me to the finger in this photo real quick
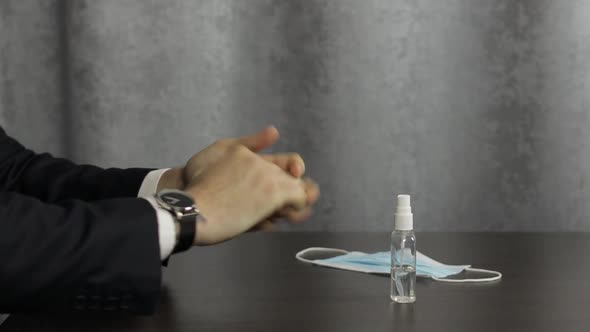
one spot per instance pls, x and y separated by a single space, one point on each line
261 140
291 163
266 225
296 216
312 191
293 191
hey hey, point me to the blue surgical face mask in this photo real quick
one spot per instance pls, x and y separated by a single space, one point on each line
380 263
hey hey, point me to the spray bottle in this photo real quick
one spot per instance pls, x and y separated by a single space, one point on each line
403 253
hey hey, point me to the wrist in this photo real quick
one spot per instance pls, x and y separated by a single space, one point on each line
181 206
176 232
172 179
203 217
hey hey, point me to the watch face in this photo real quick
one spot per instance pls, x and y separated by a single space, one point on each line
176 199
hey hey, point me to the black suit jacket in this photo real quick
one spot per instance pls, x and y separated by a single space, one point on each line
74 237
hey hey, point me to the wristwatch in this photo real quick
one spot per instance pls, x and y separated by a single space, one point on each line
185 213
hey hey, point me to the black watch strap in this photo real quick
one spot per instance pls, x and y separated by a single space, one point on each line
182 208
186 236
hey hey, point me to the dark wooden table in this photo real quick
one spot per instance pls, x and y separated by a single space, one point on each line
254 283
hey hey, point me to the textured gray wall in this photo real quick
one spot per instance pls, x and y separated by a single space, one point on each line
31 92
479 108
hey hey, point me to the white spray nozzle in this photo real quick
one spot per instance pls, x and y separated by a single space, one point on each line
403 214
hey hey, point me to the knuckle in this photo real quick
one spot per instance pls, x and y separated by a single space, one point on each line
222 141
294 156
298 158
239 151
269 186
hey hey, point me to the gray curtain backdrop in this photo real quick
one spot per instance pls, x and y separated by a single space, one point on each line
478 108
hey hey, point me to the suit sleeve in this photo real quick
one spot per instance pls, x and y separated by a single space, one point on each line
53 179
78 255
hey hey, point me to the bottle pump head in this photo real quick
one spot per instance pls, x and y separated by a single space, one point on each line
404 220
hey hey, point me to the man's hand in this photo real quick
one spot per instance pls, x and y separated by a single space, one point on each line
179 177
290 163
172 179
239 190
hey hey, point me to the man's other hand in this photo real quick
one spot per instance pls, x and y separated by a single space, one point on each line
191 178
180 177
240 190
289 162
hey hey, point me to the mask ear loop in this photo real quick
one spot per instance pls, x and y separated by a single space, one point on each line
497 276
300 255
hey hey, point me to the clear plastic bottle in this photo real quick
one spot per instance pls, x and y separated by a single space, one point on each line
403 253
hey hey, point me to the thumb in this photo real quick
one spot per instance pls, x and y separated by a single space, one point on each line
261 140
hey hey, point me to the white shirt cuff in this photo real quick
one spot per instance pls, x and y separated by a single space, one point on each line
149 186
166 227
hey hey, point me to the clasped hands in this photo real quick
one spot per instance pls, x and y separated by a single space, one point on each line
237 189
